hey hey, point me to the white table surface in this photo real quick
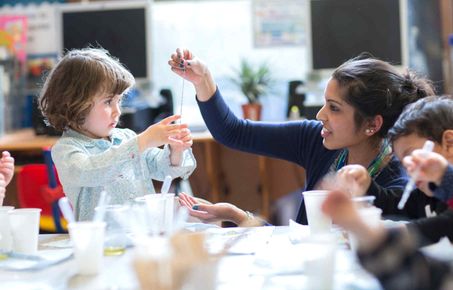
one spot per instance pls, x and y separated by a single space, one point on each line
274 265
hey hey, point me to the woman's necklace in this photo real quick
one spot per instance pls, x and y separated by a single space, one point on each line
375 165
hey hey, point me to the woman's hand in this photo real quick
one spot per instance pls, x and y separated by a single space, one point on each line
184 64
212 212
355 178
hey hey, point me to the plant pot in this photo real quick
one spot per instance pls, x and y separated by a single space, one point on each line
252 111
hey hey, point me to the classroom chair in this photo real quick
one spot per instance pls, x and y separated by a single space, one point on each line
38 187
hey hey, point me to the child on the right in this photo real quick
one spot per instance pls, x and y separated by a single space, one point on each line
430 118
408 268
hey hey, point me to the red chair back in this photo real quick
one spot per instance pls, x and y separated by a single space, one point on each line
33 191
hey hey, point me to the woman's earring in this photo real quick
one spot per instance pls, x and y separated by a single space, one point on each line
369 131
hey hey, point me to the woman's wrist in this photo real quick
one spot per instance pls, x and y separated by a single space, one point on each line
206 88
239 216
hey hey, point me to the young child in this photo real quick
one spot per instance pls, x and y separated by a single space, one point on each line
82 97
430 118
391 255
408 268
6 173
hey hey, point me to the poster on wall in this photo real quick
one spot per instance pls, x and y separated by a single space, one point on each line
13 35
42 39
279 22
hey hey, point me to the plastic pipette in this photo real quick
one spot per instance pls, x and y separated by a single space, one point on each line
104 199
427 147
66 209
166 184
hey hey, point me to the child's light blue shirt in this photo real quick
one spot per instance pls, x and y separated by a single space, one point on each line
87 166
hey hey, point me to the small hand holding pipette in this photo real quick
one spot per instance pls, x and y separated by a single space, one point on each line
427 147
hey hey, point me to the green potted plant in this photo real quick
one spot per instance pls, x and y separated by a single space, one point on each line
253 83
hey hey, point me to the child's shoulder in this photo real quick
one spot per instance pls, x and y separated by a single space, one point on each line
123 133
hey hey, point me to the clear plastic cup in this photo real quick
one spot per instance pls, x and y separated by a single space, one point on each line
88 242
161 208
116 219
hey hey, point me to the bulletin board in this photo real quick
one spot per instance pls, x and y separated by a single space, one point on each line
279 22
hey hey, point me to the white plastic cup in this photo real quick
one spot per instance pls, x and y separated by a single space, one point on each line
319 263
318 222
371 216
88 243
6 238
24 224
162 210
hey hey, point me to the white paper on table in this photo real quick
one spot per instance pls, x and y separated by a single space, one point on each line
43 259
248 240
298 232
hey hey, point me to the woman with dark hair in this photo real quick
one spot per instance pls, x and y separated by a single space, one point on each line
363 99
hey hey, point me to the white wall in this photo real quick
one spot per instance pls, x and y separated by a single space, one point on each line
220 33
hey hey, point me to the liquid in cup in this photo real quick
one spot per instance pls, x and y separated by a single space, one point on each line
116 219
318 222
88 242
24 224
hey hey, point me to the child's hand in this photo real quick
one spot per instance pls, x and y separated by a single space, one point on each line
7 167
181 142
2 189
432 166
339 206
161 133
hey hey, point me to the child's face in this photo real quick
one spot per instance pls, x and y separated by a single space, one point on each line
103 117
403 146
339 128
